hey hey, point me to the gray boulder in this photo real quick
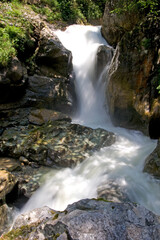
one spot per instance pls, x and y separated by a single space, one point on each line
88 220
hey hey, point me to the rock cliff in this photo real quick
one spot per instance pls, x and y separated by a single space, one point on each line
134 71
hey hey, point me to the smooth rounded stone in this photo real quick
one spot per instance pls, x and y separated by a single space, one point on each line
7 183
9 164
40 116
88 219
54 144
152 162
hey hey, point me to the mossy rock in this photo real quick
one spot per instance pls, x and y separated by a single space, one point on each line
56 143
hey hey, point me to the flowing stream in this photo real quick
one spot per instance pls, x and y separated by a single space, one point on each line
119 165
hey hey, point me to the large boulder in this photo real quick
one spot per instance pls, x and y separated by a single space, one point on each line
56 143
53 59
88 219
50 93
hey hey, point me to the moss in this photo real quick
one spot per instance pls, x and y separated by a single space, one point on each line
56 236
101 199
55 216
15 33
20 233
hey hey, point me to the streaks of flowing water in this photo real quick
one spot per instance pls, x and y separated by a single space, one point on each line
121 162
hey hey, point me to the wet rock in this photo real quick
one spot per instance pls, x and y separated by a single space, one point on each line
152 163
133 75
40 116
6 217
9 164
112 191
29 179
53 58
50 93
89 219
104 56
24 160
12 114
131 99
57 143
7 184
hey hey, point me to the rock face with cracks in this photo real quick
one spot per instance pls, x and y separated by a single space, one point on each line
88 220
56 144
134 71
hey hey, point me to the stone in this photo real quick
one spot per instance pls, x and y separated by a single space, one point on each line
49 93
41 116
112 192
9 164
55 144
6 217
152 162
104 57
29 179
115 25
52 58
88 219
7 184
15 72
24 160
130 81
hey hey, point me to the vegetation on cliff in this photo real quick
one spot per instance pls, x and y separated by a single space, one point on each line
151 7
71 10
16 29
15 32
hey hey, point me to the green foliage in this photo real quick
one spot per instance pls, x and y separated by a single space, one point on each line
147 6
6 48
15 31
71 10
146 43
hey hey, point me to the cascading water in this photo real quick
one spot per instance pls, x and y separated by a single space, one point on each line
121 163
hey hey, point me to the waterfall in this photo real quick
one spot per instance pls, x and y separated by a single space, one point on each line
119 165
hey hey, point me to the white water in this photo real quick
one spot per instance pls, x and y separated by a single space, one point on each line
122 162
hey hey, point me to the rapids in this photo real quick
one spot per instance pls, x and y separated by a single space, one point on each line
121 163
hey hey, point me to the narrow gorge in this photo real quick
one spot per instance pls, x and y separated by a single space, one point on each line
79 147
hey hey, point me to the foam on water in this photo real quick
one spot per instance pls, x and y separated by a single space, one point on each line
121 163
